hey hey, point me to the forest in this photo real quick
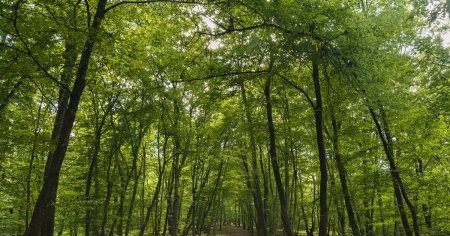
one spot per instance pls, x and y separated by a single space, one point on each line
225 117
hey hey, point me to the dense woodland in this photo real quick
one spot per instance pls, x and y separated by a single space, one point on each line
180 117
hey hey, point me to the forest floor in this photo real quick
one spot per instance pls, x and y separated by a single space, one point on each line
236 231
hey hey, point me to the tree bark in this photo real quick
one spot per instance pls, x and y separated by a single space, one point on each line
261 223
323 215
394 174
31 162
411 207
115 146
343 177
94 164
273 156
47 195
8 97
157 190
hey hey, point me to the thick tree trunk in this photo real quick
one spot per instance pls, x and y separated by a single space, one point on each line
273 156
70 56
44 207
323 215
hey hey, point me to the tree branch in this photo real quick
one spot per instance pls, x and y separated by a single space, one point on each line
150 1
215 76
28 50
301 90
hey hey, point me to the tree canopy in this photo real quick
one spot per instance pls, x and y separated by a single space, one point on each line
189 117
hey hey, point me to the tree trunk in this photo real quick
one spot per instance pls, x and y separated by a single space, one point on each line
343 177
411 207
113 152
273 156
155 197
70 56
133 197
31 162
92 168
261 224
394 174
45 204
8 97
323 215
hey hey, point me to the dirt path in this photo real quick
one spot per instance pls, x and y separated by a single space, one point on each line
235 231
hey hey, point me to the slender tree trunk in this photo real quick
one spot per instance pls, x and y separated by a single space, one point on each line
157 190
411 207
123 190
273 156
8 97
323 215
338 204
261 224
113 152
176 168
92 168
425 207
383 224
31 162
265 186
394 174
343 177
133 198
368 215
44 207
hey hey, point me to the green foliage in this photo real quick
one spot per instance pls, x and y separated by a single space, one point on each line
162 116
